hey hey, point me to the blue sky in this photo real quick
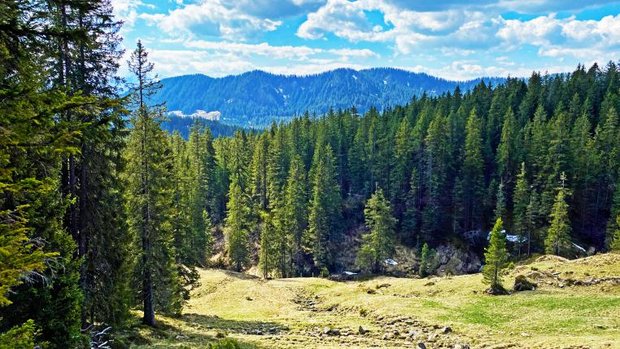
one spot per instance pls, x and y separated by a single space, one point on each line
449 38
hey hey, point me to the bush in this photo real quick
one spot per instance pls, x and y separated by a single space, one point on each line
19 337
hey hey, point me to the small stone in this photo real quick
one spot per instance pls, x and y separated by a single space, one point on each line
445 330
387 336
362 330
432 337
420 346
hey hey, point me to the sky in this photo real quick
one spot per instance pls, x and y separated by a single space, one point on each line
453 39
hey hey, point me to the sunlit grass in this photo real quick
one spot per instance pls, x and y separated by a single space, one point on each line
231 304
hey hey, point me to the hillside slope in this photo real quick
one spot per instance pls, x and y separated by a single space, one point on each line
577 304
256 98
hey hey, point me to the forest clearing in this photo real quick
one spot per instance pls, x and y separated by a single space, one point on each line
576 305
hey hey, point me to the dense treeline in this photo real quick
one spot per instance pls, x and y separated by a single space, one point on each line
542 154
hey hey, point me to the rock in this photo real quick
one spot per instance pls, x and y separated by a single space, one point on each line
445 330
331 331
523 284
248 298
461 346
432 337
362 330
387 336
420 346
386 285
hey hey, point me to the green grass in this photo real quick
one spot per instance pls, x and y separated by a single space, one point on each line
233 305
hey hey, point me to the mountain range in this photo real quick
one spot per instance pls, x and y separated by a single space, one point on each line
256 98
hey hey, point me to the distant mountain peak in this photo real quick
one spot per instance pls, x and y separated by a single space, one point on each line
257 97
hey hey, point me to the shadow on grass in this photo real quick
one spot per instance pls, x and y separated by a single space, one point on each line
192 331
239 275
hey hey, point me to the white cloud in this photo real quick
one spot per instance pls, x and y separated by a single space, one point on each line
299 53
471 69
262 49
126 11
180 62
211 18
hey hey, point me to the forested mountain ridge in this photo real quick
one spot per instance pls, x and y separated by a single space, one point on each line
256 98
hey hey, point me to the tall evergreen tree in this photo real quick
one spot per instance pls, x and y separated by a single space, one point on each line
378 243
295 211
324 223
473 174
558 235
237 219
521 224
149 196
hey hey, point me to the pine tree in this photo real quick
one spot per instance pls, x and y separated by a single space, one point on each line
149 197
558 235
324 223
378 243
495 258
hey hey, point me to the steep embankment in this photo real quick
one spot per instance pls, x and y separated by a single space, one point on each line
576 304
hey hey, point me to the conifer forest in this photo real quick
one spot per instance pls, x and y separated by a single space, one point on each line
110 218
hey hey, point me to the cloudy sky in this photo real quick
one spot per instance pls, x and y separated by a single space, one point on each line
449 38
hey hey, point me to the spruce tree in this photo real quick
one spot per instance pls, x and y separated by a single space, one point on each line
295 211
495 258
378 243
558 235
149 197
473 173
201 167
237 229
521 225
324 223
